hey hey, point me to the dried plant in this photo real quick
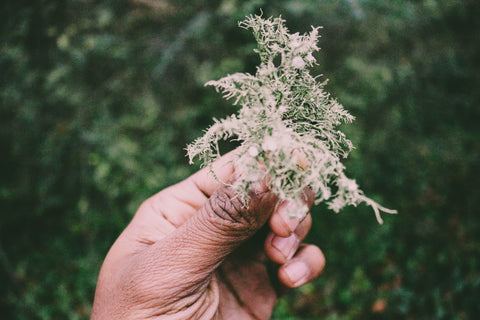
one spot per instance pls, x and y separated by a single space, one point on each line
287 125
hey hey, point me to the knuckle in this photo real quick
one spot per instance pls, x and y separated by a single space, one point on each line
228 207
228 210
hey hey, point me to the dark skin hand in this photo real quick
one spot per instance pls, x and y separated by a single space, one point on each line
193 251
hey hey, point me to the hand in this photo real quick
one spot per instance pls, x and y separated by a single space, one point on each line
193 251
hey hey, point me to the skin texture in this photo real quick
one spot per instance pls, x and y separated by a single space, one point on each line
193 251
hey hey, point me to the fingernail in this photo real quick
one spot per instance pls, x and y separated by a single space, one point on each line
287 211
297 272
287 246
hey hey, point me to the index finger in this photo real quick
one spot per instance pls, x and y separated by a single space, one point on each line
210 178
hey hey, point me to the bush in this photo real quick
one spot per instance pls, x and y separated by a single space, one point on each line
99 98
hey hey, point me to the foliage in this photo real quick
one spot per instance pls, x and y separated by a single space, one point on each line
97 99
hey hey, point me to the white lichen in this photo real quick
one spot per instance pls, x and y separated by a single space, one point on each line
287 124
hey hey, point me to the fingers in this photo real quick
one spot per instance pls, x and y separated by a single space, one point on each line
281 249
297 267
304 267
287 233
281 222
171 207
223 169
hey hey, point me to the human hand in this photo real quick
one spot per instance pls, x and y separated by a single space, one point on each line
193 251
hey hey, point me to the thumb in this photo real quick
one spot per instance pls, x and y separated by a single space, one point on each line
227 221
188 256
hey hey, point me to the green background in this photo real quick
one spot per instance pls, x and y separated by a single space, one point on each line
99 98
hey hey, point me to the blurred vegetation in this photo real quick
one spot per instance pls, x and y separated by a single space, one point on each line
99 98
